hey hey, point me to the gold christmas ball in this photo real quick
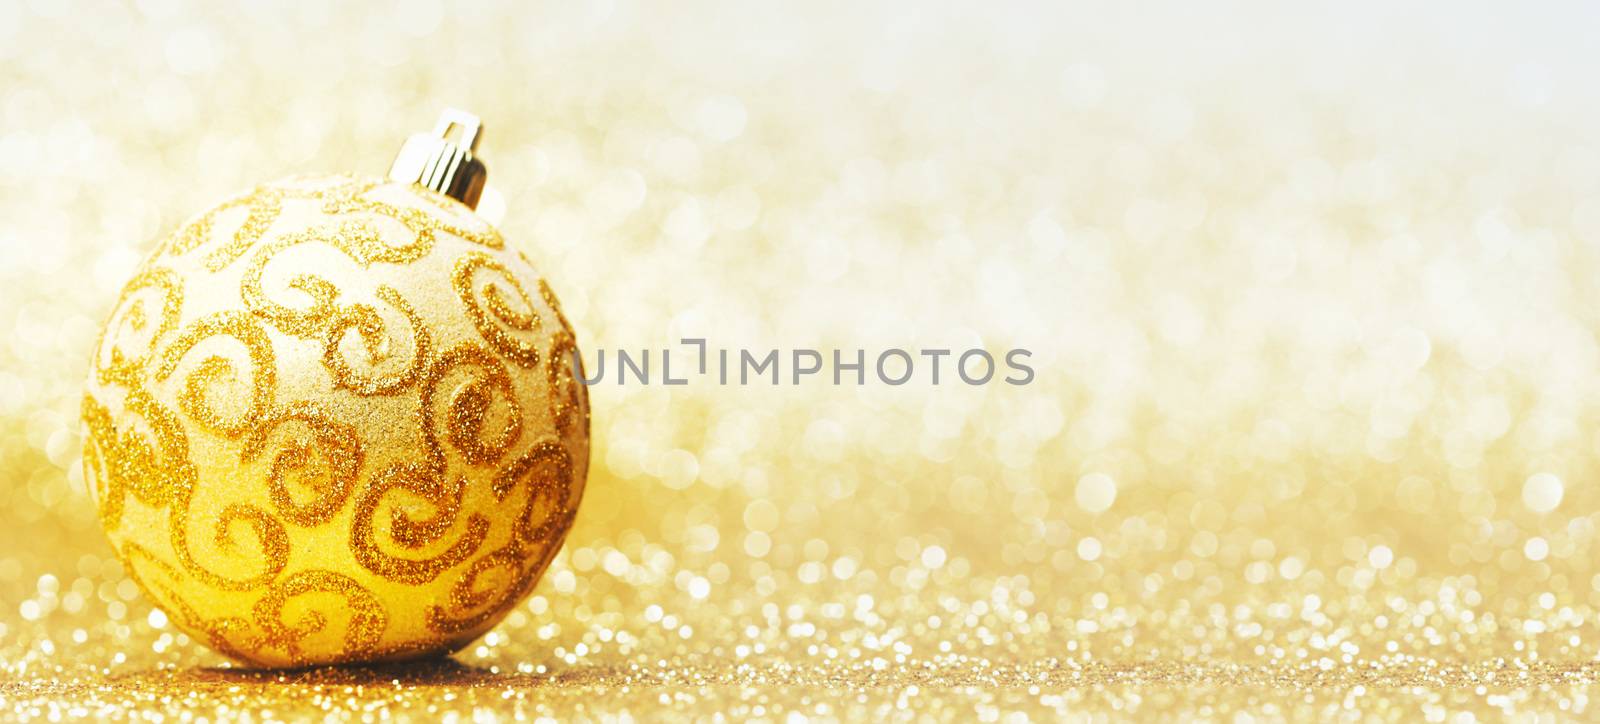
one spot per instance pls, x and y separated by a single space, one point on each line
336 419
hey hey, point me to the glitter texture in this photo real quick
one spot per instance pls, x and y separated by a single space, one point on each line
1313 434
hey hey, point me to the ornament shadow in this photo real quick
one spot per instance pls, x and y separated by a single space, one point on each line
441 672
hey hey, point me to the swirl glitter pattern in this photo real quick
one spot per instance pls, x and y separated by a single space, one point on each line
327 421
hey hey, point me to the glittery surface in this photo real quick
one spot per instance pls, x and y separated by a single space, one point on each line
1312 435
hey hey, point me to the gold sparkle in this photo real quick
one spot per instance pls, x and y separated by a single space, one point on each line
1308 293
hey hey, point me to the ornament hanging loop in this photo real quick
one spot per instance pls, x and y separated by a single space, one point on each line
435 161
469 124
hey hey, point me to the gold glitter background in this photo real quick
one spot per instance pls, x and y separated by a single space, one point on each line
1309 291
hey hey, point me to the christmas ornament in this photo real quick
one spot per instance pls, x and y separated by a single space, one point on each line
336 419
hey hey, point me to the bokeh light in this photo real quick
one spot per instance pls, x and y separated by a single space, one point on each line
1314 431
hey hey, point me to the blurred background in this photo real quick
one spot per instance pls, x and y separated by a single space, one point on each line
1310 294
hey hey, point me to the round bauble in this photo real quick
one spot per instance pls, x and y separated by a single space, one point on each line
336 419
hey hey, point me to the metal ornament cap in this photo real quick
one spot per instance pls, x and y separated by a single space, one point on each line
435 161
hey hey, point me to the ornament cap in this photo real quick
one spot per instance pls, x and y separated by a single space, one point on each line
435 161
